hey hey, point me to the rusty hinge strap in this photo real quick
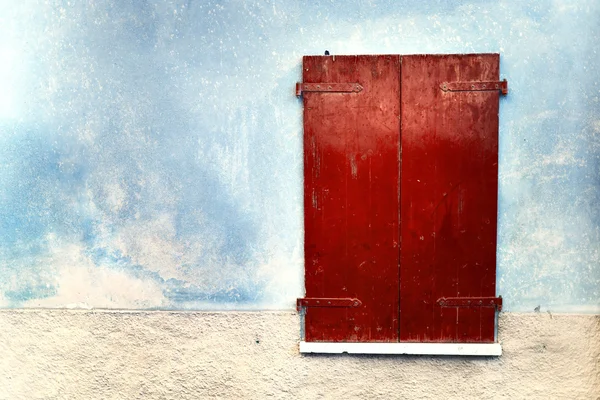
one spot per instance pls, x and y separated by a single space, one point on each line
495 302
477 86
327 302
327 87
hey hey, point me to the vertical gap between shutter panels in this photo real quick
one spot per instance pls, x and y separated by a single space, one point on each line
460 124
349 104
439 102
399 192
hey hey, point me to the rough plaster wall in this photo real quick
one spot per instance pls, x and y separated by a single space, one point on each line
191 355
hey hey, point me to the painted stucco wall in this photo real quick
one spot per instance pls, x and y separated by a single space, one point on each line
66 354
150 152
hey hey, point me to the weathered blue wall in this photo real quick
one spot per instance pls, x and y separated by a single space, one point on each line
150 152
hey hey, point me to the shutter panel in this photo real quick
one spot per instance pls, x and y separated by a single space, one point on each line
351 143
449 178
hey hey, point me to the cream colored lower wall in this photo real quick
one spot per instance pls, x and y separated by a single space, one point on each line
254 355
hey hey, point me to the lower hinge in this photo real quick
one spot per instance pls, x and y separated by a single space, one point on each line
327 302
471 302
475 86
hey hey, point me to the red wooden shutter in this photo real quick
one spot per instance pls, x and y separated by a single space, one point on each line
351 200
448 197
440 286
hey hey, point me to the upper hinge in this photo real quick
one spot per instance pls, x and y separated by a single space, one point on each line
475 86
327 87
327 302
471 302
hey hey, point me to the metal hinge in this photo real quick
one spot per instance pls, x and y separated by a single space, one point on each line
327 87
477 86
494 302
327 302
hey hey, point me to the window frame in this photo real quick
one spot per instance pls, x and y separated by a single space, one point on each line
355 80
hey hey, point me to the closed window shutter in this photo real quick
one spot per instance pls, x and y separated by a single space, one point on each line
400 193
448 198
351 200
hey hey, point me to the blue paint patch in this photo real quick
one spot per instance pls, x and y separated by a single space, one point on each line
28 292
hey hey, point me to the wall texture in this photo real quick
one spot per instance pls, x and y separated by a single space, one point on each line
247 355
150 151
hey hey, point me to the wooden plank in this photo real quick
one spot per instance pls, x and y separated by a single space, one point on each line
448 197
351 143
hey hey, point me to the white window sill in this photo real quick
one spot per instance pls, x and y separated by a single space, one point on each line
441 349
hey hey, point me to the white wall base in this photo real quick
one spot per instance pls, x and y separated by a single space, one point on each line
445 349
89 355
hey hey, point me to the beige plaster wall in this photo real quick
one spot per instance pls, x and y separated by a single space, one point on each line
62 354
